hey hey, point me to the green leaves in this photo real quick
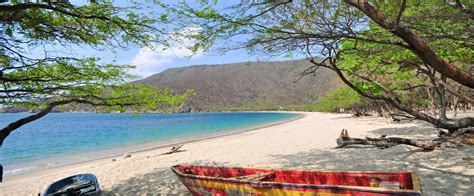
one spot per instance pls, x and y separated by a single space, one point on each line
34 80
102 85
8 31
207 12
335 99
390 70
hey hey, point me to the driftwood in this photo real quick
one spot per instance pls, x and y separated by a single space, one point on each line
381 142
174 149
463 136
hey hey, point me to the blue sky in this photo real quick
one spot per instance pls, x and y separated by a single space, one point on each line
150 61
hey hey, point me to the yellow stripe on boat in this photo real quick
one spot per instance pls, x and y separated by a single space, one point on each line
264 191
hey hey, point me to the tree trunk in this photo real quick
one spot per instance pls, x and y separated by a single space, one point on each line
452 127
377 108
417 45
356 111
432 106
386 109
442 105
455 105
442 100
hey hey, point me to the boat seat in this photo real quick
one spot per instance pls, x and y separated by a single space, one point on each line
259 176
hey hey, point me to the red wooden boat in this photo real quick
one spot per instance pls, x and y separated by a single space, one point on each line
204 180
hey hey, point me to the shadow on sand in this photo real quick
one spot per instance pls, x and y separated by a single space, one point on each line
442 172
160 182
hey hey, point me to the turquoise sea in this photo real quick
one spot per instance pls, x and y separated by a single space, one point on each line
63 134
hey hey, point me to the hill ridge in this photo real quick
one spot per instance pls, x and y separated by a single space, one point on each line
258 85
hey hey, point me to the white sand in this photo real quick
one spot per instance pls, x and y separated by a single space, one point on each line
306 143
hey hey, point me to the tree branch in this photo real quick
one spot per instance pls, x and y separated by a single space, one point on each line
452 127
419 46
436 81
458 5
17 124
400 12
25 6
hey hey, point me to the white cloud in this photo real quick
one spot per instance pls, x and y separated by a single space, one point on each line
148 62
153 59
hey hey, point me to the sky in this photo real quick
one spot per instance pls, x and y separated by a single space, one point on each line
151 61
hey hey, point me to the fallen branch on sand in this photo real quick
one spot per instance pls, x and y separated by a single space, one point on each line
461 136
174 149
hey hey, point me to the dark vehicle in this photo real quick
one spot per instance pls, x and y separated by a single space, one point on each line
81 184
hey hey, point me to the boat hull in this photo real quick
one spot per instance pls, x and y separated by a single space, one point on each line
89 186
225 181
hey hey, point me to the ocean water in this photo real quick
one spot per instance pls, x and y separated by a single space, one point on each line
61 134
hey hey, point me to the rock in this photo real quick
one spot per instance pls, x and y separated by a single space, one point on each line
127 155
114 160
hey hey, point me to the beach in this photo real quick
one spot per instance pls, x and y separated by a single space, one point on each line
305 143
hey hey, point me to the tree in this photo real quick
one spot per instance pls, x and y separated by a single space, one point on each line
417 44
384 50
33 74
339 98
396 74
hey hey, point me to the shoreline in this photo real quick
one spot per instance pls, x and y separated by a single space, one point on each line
118 152
303 144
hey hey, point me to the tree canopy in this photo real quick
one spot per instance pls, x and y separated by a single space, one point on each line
336 99
387 51
37 71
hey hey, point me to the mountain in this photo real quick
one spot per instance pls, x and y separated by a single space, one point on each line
247 86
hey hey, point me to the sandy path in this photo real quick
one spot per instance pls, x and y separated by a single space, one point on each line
305 143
